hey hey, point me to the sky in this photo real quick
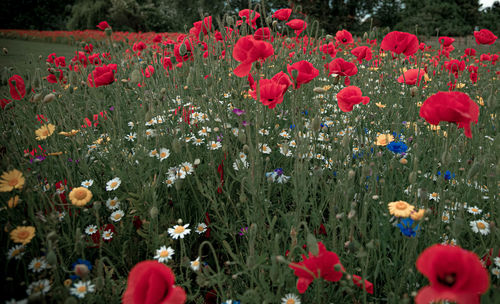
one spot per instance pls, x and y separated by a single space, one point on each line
486 3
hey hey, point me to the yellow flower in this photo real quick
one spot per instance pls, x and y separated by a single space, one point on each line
380 105
417 215
13 201
11 180
44 131
22 234
400 208
384 139
80 196
70 133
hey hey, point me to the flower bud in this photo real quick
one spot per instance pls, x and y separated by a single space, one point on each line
108 31
49 98
319 90
82 270
337 267
413 91
135 77
51 258
153 212
5 51
351 174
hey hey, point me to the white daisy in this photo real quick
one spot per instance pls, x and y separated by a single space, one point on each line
243 156
497 261
445 217
198 141
80 289
150 122
474 210
179 231
16 252
204 131
239 164
107 234
434 196
195 265
150 133
187 167
180 174
480 226
164 254
113 184
37 265
495 271
201 228
284 134
42 286
290 299
131 136
264 148
130 124
153 153
264 132
235 131
117 215
163 154
214 145
113 203
91 229
87 183
170 181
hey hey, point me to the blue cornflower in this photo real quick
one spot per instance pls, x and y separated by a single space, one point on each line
397 147
448 175
406 227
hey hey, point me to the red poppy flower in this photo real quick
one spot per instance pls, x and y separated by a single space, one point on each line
344 37
52 78
446 41
247 50
60 61
305 72
148 71
272 90
329 49
348 97
400 43
455 274
282 14
485 36
470 52
17 87
362 52
320 265
341 67
411 76
358 281
297 25
150 282
4 102
102 75
103 25
456 107
262 33
248 13
187 54
139 46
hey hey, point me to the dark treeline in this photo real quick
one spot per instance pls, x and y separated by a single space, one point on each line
427 17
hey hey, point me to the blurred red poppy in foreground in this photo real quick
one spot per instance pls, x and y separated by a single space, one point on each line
316 266
297 25
247 50
17 87
455 274
102 75
305 72
151 282
282 14
456 107
400 42
348 97
485 36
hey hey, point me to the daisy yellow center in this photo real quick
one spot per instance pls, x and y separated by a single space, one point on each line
290 301
198 140
196 263
80 194
91 230
168 181
200 228
13 182
37 265
154 152
45 132
163 154
214 145
434 194
164 253
82 288
112 203
401 206
16 252
107 234
118 216
186 168
179 229
474 210
445 217
114 184
480 225
38 288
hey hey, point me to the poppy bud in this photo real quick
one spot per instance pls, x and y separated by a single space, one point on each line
365 36
182 49
197 162
412 177
319 90
135 77
36 98
108 31
246 149
163 91
242 137
329 37
413 91
178 185
153 212
445 157
230 20
99 283
351 174
316 123
5 51
51 258
49 98
312 244
337 267
275 23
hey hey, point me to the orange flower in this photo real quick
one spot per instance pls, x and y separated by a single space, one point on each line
11 180
22 234
80 196
400 208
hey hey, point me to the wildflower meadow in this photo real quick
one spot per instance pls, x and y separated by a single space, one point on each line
252 159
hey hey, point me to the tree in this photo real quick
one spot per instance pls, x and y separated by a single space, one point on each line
489 18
